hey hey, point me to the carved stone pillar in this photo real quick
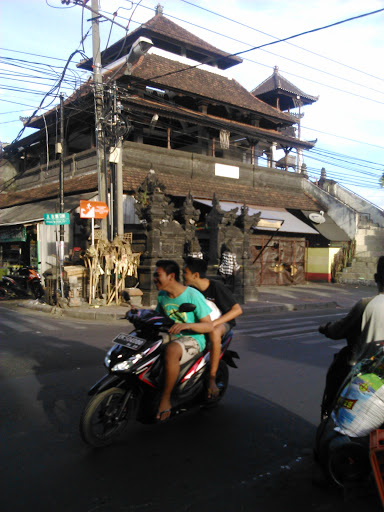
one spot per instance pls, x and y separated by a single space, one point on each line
213 222
189 216
154 211
166 236
246 221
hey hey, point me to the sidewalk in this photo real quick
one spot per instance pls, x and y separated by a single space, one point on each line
271 299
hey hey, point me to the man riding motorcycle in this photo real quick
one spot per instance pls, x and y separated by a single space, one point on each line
355 331
194 325
222 298
342 441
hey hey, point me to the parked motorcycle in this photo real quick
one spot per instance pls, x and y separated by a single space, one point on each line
131 390
9 288
22 283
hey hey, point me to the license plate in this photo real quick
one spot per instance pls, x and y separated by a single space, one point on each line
129 341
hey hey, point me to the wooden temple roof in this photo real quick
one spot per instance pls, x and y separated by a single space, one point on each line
183 114
204 187
169 36
159 72
278 86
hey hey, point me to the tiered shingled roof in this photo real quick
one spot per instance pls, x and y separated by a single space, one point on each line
183 114
278 86
226 190
85 183
200 188
163 73
170 37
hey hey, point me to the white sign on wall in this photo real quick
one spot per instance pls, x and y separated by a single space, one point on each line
227 171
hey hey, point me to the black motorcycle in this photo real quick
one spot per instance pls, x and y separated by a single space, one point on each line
132 388
343 457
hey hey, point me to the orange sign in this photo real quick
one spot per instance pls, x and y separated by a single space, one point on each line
93 210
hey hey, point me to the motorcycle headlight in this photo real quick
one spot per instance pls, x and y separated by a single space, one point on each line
107 358
122 367
127 364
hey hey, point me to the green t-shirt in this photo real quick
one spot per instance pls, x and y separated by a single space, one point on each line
170 307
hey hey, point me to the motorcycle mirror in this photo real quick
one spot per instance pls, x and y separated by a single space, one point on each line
187 307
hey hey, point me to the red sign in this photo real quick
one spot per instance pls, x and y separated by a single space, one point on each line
93 210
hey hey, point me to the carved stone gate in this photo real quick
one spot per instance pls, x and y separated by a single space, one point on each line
170 233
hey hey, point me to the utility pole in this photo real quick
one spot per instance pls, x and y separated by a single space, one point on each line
61 147
100 137
120 127
299 151
61 244
118 219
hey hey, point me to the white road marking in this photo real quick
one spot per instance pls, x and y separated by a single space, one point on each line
267 328
275 333
37 322
73 325
303 335
14 325
244 321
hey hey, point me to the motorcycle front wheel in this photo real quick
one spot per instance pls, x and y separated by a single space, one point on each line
106 416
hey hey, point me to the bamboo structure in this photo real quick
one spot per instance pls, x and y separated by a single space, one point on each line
115 260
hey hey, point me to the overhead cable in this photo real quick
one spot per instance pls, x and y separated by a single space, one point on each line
292 44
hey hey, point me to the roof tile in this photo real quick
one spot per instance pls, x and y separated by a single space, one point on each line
167 73
225 189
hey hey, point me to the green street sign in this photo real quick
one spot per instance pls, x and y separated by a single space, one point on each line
54 219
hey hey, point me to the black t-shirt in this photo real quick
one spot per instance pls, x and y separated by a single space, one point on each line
218 293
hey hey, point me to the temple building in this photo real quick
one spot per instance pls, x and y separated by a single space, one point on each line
204 146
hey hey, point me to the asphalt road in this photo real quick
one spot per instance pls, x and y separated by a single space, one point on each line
251 453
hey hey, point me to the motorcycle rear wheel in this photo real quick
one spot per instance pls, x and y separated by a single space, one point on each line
100 425
37 290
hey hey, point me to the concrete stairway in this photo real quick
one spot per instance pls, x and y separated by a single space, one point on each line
369 246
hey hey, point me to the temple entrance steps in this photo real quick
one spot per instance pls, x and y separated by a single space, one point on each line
369 247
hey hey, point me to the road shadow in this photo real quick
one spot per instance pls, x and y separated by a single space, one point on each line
247 454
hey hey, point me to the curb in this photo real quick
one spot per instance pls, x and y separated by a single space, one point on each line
92 315
253 309
72 313
287 307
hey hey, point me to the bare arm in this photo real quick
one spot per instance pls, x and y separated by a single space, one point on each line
234 312
204 325
349 324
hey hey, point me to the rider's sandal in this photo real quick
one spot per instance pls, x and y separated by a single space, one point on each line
213 393
160 413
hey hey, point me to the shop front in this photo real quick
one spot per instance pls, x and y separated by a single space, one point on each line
18 247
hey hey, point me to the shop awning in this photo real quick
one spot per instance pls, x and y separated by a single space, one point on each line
34 212
290 225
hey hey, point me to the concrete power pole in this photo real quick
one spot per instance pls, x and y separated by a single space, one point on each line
139 47
100 137
299 151
61 147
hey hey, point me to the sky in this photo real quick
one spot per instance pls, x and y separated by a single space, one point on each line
342 64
